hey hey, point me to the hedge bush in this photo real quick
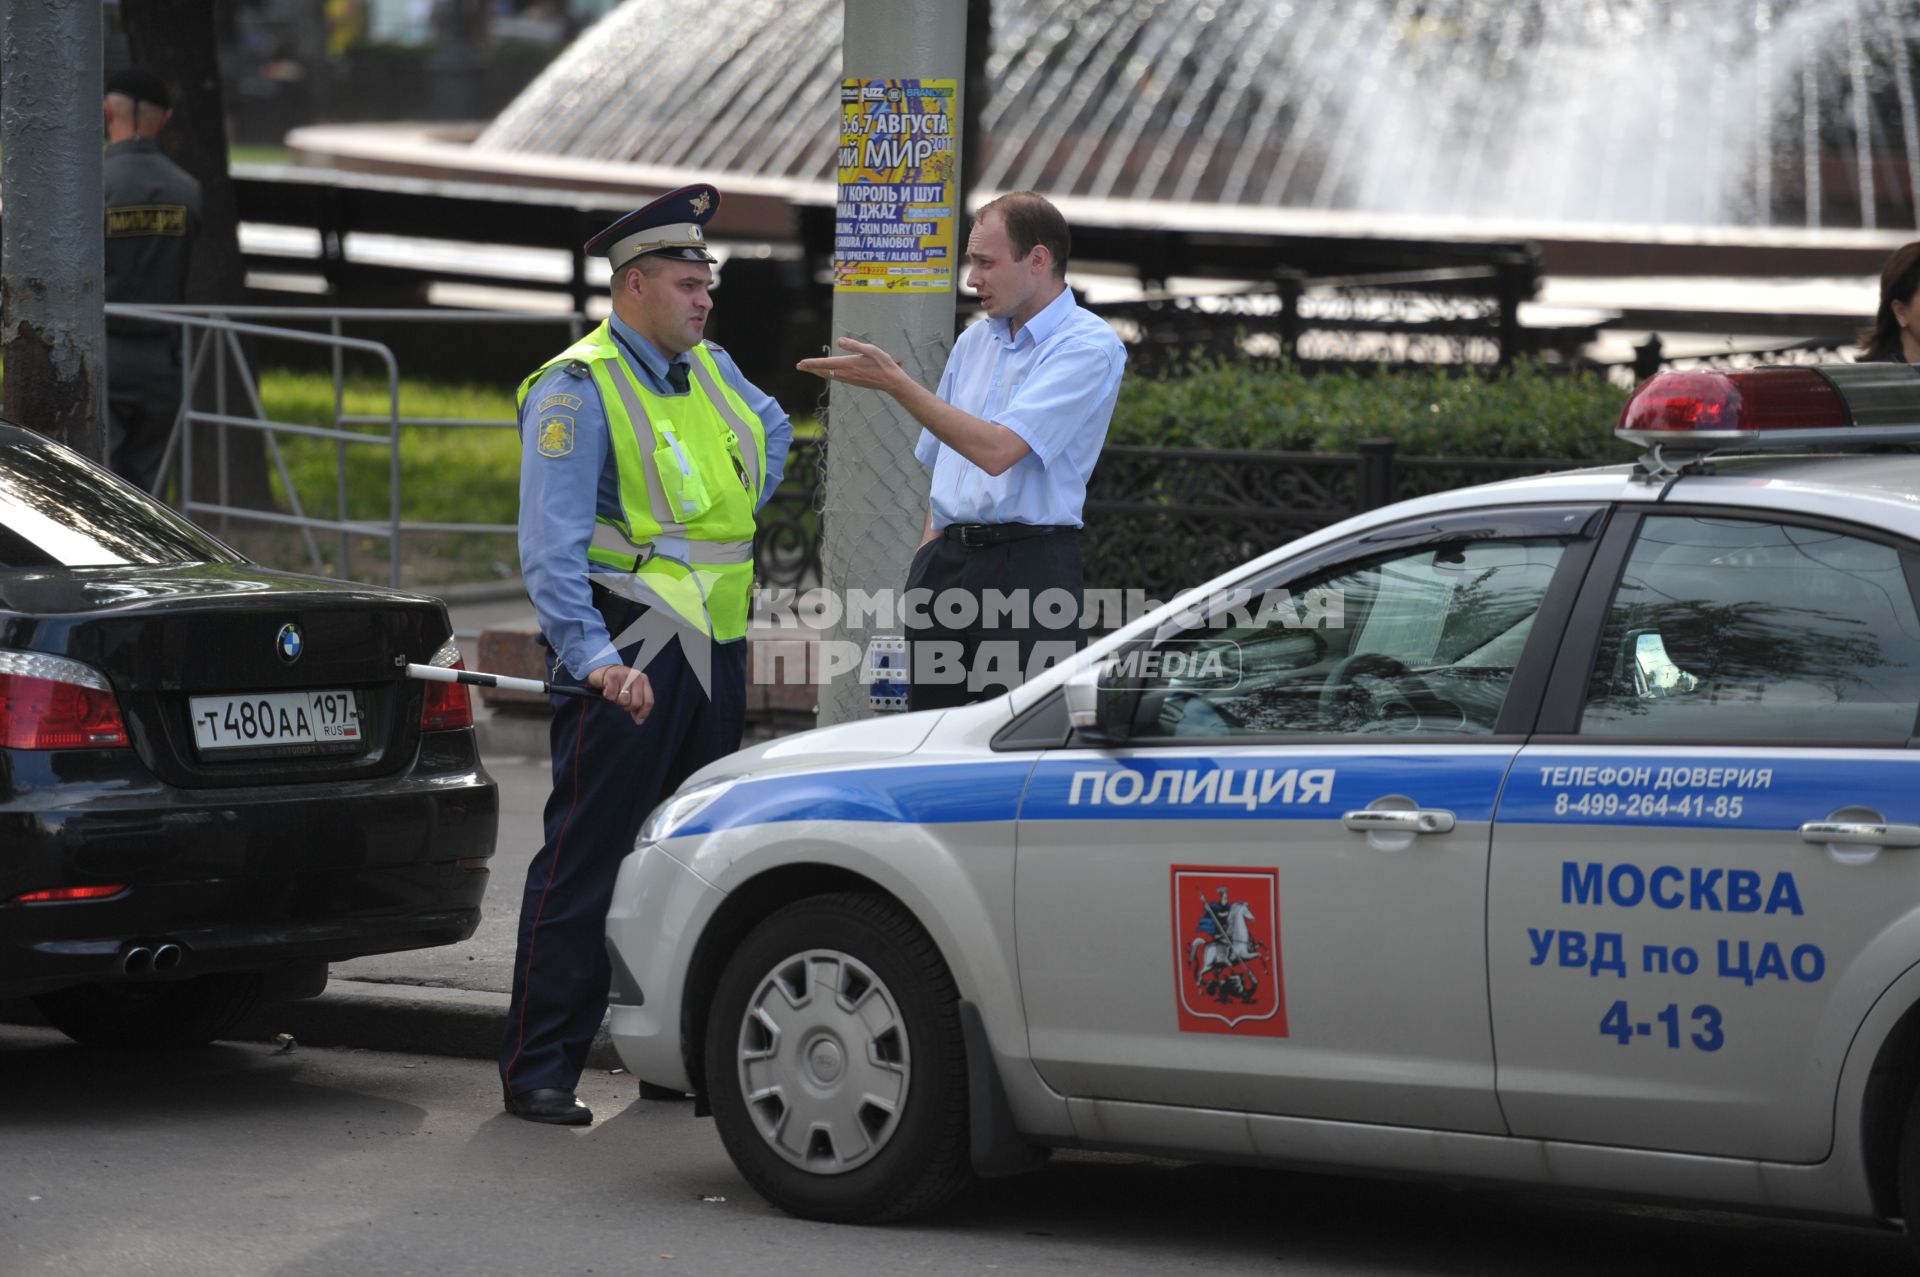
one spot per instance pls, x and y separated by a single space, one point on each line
1528 413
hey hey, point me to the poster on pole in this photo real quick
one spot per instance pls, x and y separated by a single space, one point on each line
894 224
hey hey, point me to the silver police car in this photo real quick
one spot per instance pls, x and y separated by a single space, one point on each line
1563 831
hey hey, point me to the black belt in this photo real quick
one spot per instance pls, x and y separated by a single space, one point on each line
979 535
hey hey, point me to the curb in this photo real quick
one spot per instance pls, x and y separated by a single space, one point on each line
408 1019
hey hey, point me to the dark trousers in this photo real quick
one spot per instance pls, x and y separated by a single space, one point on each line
955 660
143 398
608 774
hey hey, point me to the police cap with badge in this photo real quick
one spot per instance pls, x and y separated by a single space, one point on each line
668 227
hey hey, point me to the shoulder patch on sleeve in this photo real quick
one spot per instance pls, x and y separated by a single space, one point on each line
556 436
135 220
559 401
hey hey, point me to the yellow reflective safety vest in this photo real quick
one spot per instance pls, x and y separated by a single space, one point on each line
691 470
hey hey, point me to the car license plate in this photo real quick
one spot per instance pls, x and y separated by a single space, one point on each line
297 722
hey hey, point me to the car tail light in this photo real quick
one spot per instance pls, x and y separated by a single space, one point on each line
49 702
54 895
447 705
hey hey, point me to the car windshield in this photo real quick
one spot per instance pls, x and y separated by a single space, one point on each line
56 510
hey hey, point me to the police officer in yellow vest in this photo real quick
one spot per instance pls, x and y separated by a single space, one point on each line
644 458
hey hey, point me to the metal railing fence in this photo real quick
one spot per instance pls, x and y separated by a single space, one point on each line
211 348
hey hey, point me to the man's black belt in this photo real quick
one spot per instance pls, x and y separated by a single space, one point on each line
979 535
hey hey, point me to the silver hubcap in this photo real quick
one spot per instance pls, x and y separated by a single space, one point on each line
823 1061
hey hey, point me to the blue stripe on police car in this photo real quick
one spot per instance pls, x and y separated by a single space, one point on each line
1267 785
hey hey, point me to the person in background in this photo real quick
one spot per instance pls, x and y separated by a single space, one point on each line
153 218
1895 335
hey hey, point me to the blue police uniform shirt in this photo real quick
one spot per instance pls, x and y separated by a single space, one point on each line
560 495
1054 384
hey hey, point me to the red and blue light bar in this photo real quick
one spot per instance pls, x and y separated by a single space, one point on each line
1831 407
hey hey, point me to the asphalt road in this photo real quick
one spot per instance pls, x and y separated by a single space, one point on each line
240 1160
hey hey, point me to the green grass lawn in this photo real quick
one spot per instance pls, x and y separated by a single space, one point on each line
447 475
465 475
259 155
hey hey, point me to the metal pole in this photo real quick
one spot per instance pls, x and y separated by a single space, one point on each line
190 381
876 493
343 567
177 433
52 291
393 472
222 454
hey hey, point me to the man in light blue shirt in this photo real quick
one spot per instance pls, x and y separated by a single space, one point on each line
1011 436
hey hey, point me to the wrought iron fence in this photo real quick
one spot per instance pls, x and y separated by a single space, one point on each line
1165 519
786 546
1652 357
1460 316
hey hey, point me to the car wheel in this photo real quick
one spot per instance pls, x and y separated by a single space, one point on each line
835 1064
172 1013
1909 1173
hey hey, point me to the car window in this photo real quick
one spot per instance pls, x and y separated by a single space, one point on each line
1731 628
58 511
1419 642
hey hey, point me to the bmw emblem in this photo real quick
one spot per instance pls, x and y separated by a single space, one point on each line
289 643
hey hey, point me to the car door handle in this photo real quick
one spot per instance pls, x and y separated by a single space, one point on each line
1422 821
1861 833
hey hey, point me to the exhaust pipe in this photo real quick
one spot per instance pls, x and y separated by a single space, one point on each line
137 960
166 957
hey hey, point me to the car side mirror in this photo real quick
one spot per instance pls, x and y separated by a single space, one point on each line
1100 705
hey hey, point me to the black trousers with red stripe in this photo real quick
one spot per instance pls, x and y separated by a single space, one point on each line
608 774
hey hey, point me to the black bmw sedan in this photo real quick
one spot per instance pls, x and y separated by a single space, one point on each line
214 777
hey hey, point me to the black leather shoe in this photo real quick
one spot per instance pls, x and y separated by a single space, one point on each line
555 1107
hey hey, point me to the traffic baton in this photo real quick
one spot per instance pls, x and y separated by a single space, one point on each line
506 683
